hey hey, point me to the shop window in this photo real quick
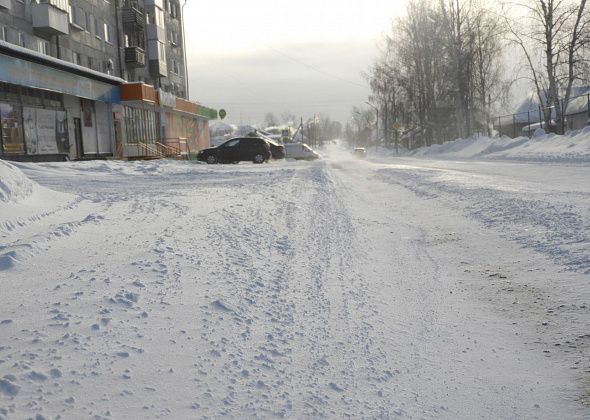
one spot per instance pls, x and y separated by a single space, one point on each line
52 100
12 131
9 92
32 96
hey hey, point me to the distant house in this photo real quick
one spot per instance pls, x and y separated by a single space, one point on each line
578 110
528 115
525 115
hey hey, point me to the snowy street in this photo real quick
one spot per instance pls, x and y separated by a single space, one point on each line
342 288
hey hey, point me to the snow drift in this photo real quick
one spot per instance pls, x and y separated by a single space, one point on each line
14 185
571 147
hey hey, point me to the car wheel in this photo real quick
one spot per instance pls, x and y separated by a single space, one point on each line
211 159
258 158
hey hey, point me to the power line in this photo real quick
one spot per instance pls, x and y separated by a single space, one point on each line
318 70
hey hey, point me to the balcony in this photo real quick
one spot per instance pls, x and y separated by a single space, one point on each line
5 4
158 68
155 32
154 3
133 19
48 20
134 57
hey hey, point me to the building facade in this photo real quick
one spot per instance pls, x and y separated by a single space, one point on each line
70 73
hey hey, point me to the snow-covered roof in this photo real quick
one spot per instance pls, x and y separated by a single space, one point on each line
577 105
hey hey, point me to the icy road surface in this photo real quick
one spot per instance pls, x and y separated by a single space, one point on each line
335 289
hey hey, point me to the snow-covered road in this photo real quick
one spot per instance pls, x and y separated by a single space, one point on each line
340 289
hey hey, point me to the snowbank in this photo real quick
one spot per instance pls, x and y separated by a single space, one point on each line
571 147
22 198
14 185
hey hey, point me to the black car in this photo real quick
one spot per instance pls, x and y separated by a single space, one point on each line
236 150
276 150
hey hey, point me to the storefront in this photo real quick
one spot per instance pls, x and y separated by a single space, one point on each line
139 122
53 110
157 123
184 124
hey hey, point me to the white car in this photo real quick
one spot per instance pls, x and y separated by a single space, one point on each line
300 151
359 152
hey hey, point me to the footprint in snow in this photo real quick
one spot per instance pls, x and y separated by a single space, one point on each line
8 388
336 387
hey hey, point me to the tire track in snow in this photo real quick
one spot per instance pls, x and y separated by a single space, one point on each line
547 223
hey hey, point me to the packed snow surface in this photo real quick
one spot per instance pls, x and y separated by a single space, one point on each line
342 288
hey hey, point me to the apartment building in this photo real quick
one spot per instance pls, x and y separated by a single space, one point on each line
86 79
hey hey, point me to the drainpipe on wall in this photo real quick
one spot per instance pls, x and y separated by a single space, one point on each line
119 49
184 50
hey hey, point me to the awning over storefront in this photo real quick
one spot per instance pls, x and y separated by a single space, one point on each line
27 68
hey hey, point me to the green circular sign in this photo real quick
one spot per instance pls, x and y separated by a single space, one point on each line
222 113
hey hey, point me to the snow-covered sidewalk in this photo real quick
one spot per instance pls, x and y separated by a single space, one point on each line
338 288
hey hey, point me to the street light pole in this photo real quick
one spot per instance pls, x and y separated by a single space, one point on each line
376 123
184 50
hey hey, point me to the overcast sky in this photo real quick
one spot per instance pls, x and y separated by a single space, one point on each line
302 57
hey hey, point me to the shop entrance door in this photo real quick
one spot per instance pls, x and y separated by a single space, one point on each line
78 138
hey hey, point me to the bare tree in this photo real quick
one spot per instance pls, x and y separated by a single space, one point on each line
441 70
558 28
270 120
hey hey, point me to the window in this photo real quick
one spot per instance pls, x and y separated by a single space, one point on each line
3 33
77 16
174 10
87 20
156 17
173 38
108 33
43 46
97 28
12 131
232 143
76 58
140 125
126 40
60 4
30 96
109 66
52 99
22 39
161 51
175 68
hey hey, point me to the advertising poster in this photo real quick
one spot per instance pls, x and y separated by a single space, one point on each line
30 126
61 132
87 112
46 131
